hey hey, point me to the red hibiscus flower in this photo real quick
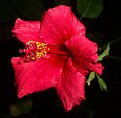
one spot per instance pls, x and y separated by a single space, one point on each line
57 54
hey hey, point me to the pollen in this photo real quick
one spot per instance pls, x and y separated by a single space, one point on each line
34 50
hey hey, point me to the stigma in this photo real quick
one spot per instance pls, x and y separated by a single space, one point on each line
34 50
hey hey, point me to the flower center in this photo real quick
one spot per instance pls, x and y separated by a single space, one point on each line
34 50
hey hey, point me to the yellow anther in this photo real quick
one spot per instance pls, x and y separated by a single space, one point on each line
35 50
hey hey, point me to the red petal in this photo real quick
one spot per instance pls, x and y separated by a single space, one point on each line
37 75
86 67
60 24
82 69
84 54
82 48
27 30
70 86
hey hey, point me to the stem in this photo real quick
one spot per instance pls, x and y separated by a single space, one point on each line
112 42
118 39
113 57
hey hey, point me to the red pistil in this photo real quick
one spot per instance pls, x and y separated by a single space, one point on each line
36 50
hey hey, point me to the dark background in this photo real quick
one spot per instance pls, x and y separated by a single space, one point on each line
46 104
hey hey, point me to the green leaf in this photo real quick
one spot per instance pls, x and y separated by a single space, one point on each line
105 52
90 78
20 107
64 2
89 8
29 9
14 111
102 83
91 114
25 106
